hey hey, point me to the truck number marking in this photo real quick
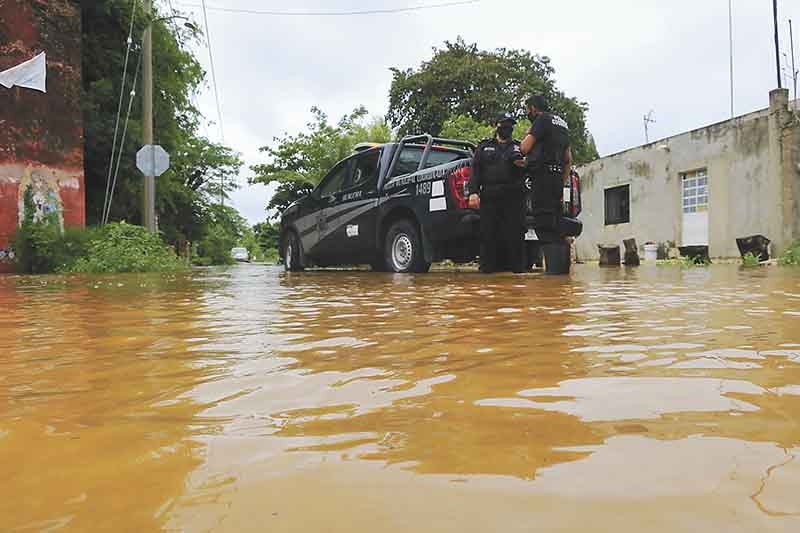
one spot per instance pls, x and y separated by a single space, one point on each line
352 230
424 188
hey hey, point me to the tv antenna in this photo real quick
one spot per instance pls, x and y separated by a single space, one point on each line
648 119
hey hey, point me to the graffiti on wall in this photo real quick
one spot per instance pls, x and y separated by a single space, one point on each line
41 133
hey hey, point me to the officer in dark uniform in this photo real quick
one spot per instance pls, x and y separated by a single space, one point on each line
496 187
548 160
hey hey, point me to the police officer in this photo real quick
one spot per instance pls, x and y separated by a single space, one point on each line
548 159
496 187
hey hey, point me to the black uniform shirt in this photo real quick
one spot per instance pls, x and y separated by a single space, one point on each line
493 164
552 140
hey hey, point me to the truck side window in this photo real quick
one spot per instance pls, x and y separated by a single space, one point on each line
408 161
410 157
365 173
335 180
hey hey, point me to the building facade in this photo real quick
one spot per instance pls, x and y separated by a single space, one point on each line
41 132
706 187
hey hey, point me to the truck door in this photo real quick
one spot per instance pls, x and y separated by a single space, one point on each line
326 198
351 217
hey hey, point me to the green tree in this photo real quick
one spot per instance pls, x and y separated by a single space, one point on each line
225 229
468 129
198 165
298 162
267 234
462 81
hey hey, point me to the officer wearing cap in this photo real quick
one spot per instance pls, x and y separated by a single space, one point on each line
496 188
548 159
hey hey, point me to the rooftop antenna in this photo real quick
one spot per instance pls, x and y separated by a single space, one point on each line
648 119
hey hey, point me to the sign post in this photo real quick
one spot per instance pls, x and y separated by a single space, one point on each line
153 161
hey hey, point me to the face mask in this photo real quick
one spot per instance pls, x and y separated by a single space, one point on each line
505 132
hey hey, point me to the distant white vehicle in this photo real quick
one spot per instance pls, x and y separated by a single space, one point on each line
240 254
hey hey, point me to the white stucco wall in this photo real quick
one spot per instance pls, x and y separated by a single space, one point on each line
746 186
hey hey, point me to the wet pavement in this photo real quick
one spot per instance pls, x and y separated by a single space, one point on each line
247 399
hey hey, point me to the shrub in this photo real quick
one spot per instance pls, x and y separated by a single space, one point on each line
216 246
121 247
750 260
791 257
41 247
271 256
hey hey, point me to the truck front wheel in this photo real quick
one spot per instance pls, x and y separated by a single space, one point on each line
292 251
402 248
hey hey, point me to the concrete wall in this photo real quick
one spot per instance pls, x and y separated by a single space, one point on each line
41 134
754 180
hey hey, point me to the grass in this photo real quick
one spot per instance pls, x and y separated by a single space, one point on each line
685 262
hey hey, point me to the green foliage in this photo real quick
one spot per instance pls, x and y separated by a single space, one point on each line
267 234
121 247
41 247
467 128
750 260
299 162
461 80
199 167
226 228
791 257
271 256
686 262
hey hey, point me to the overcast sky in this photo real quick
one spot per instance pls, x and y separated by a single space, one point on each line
623 57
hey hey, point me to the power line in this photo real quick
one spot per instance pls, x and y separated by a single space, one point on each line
107 213
213 71
331 13
119 111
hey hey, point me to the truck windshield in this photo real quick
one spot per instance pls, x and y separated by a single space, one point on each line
411 155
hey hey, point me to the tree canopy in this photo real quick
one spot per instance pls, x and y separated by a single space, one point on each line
298 162
462 81
201 170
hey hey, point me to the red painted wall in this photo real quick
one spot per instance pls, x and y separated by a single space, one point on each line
41 134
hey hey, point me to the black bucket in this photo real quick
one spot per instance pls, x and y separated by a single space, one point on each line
557 258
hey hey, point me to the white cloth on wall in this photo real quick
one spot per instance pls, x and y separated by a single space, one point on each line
31 74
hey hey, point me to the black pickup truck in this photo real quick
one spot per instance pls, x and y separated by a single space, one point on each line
396 206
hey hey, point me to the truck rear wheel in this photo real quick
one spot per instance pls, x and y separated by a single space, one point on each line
292 253
402 248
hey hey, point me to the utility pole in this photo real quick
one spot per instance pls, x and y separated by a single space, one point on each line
777 45
730 36
794 68
149 196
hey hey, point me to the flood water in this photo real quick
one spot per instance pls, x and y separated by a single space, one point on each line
247 399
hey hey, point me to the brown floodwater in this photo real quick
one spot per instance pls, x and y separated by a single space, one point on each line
248 399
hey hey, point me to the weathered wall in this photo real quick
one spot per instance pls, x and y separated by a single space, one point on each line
41 134
751 190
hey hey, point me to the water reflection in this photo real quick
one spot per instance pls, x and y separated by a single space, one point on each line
523 396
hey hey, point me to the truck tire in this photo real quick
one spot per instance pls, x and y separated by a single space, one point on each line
292 253
402 248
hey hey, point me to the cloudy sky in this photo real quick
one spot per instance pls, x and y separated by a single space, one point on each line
623 57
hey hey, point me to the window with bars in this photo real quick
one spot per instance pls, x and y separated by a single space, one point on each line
695 191
618 205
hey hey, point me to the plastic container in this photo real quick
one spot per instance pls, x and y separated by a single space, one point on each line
650 252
